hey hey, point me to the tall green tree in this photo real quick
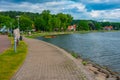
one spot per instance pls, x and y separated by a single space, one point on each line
83 25
5 20
55 23
40 23
25 23
49 22
98 26
65 19
47 18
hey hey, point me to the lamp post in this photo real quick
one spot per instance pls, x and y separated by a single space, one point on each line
18 17
16 35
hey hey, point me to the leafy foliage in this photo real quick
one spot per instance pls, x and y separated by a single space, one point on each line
83 25
49 22
5 20
25 23
46 21
94 25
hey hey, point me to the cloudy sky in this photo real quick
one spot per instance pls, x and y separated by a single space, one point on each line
101 10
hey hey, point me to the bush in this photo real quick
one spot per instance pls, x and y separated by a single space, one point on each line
75 55
84 62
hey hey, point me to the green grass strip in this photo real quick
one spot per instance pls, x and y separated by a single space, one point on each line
11 61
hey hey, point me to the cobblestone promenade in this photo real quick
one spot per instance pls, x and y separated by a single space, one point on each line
46 62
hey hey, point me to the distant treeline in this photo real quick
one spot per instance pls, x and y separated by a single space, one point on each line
94 25
46 21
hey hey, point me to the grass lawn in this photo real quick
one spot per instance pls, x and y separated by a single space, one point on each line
11 61
37 34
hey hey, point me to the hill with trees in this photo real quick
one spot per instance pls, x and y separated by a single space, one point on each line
46 21
94 25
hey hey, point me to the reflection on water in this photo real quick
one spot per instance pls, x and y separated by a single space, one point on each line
102 48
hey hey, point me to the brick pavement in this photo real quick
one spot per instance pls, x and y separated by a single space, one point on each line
4 43
46 62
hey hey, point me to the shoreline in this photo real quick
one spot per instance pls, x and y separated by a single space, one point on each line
37 34
98 71
101 71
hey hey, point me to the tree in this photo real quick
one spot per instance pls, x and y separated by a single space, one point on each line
83 25
25 23
40 24
46 16
65 19
49 22
106 24
69 19
98 26
44 21
5 20
55 23
91 25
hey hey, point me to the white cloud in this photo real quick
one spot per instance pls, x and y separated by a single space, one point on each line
104 20
101 1
96 1
54 7
106 14
95 13
63 6
79 6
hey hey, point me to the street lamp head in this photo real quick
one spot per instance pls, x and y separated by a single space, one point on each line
17 16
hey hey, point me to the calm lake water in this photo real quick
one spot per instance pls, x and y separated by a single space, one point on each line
102 47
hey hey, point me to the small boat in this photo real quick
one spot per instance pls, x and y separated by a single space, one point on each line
50 36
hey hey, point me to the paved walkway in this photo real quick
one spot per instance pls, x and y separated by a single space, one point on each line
47 62
4 43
